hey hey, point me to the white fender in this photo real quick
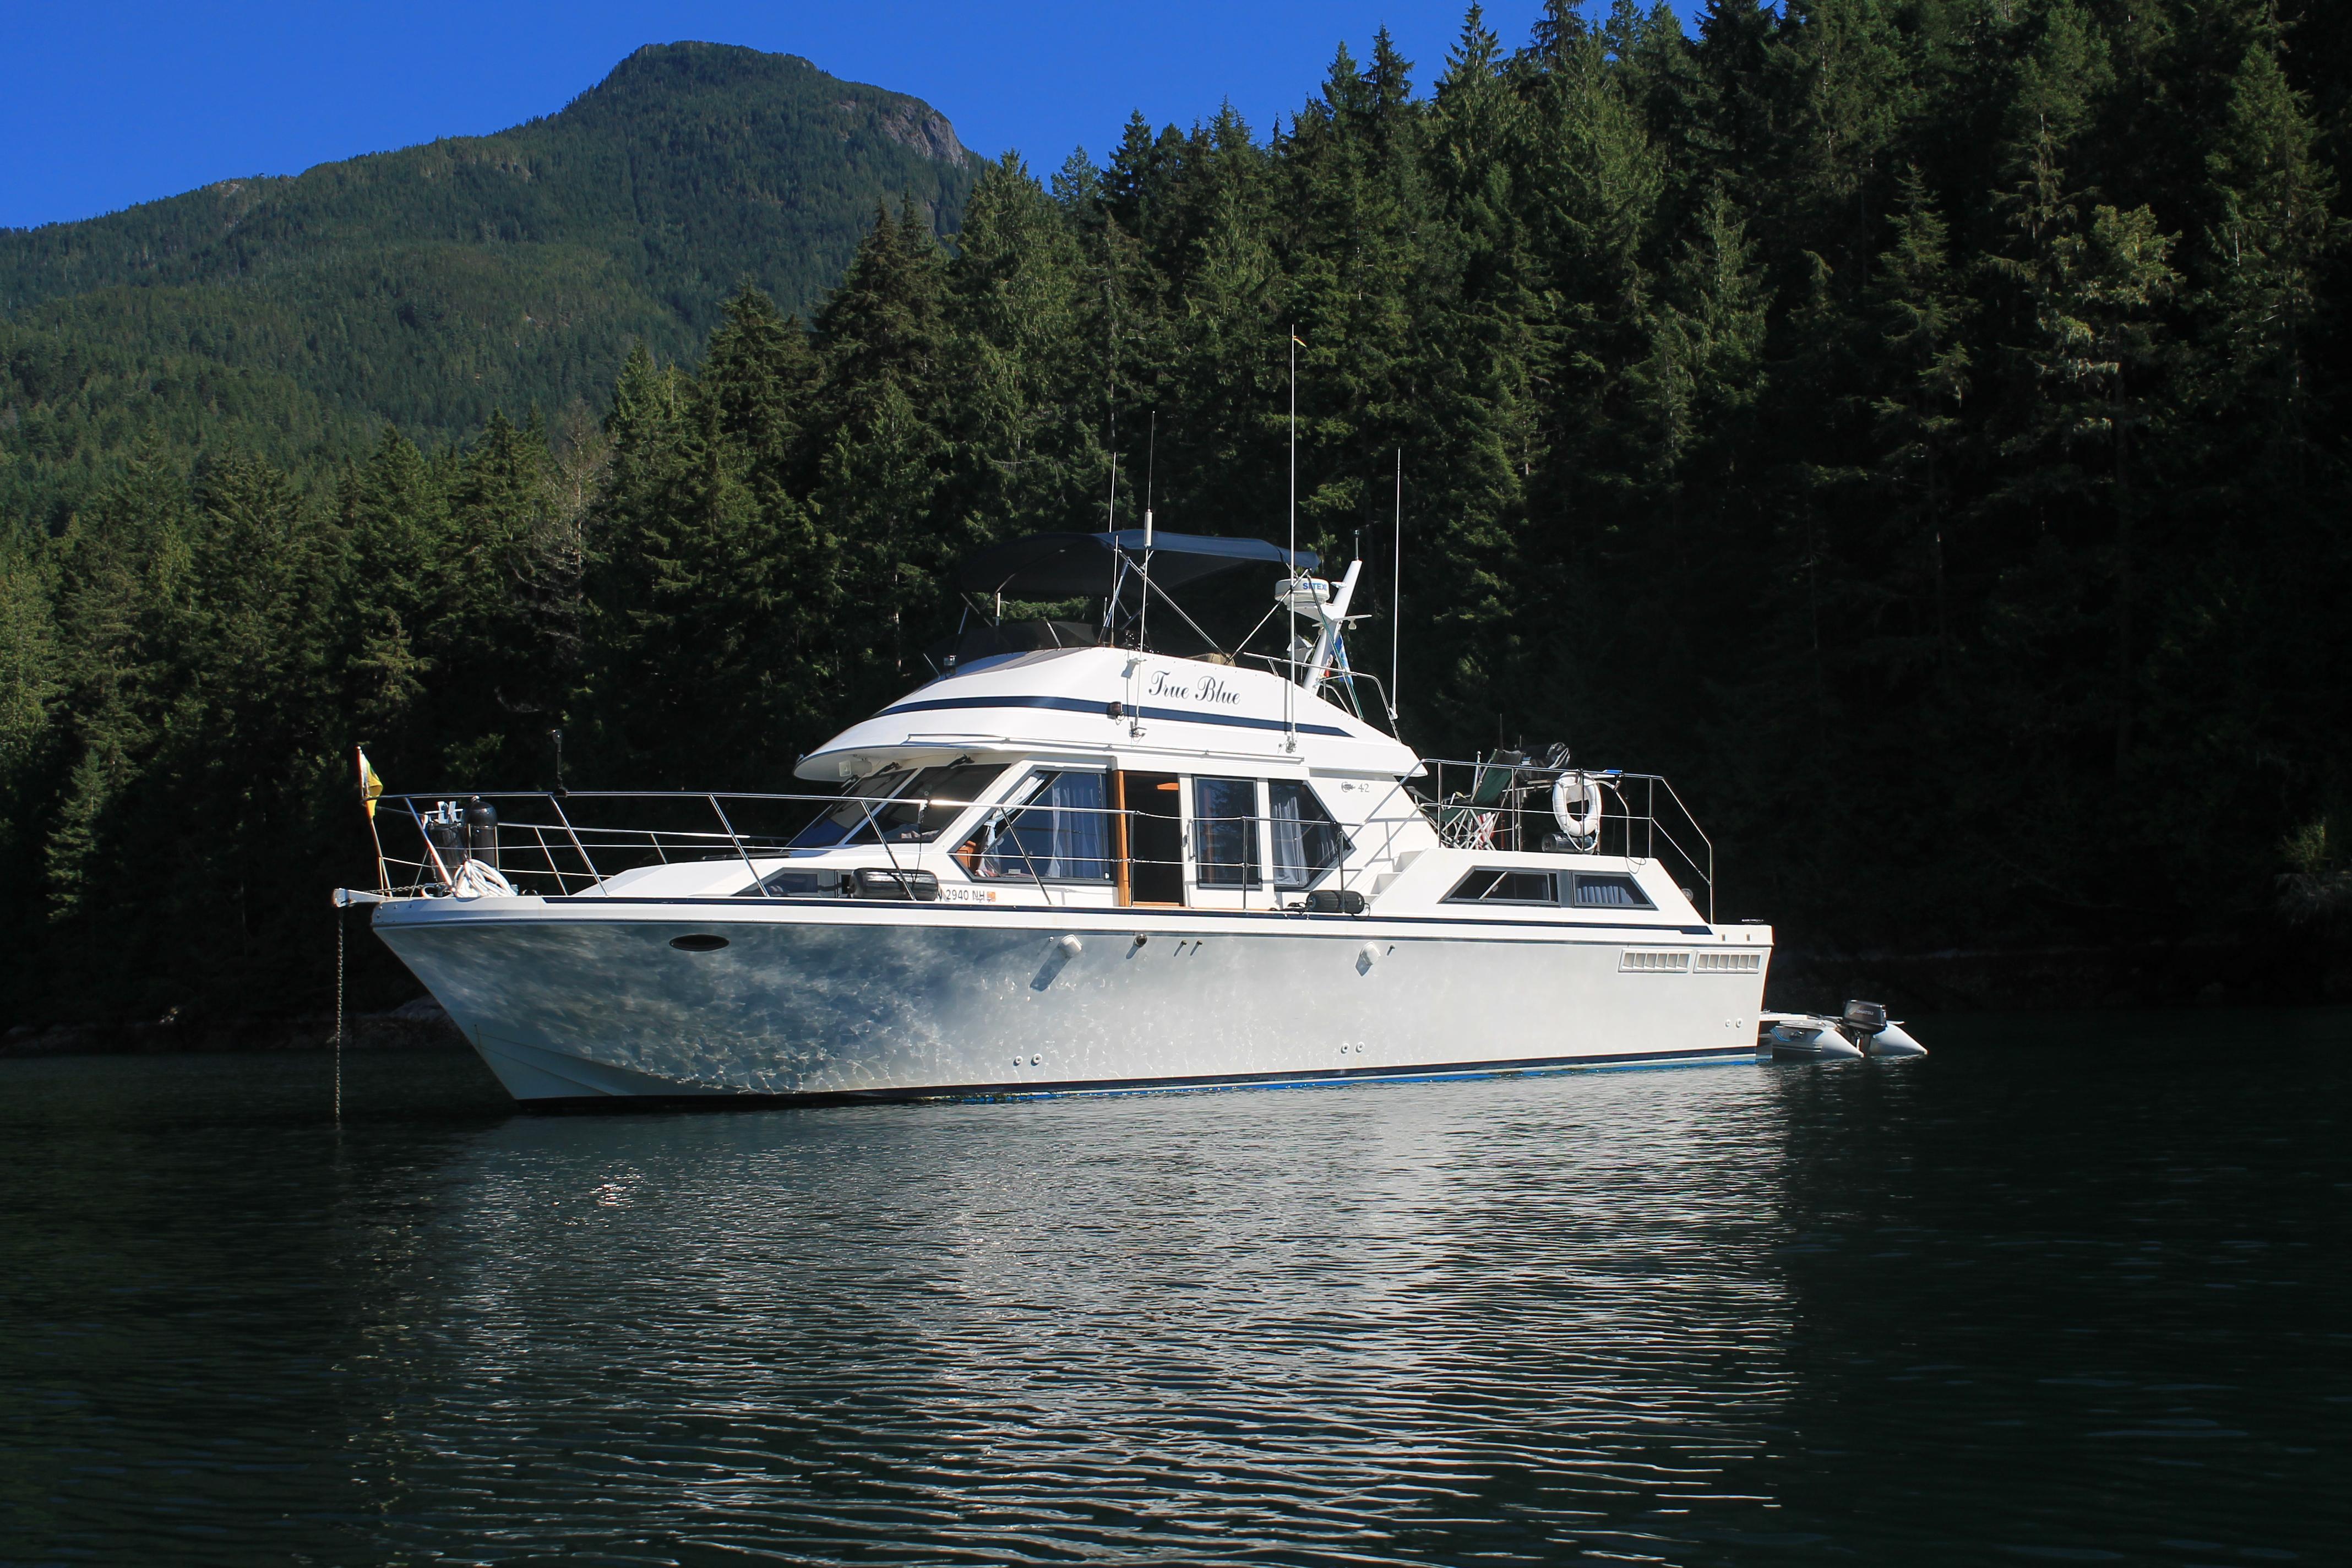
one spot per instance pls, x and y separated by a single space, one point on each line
1576 805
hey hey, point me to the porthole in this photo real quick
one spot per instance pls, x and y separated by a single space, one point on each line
698 943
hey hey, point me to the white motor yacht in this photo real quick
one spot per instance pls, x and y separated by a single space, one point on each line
1075 864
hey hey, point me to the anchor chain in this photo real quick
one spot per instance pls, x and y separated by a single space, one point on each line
340 921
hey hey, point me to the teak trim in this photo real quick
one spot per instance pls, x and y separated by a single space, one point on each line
1126 885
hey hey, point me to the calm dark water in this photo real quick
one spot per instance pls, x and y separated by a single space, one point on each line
2073 1288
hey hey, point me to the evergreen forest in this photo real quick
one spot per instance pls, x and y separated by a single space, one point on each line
1911 426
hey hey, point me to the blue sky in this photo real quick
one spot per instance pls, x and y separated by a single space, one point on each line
103 104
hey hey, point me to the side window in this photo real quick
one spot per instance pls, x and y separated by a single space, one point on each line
1596 890
1055 828
1224 832
1493 885
1304 840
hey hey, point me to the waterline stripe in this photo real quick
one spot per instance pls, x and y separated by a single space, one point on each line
1427 1072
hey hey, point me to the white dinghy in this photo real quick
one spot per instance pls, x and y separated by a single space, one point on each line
1079 863
1862 1030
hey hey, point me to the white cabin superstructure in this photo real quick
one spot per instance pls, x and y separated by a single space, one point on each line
1079 868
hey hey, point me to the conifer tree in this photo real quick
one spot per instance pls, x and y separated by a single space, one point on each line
880 335
395 527
2271 229
1924 313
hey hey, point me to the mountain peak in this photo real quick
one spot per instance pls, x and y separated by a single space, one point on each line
531 258
692 69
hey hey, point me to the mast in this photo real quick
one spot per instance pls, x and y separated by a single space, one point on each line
1330 645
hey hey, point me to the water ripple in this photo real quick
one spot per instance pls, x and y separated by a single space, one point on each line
1936 1314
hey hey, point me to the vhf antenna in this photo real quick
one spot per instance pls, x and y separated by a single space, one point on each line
1118 559
1150 468
1396 594
1290 586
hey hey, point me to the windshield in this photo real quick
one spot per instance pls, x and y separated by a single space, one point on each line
907 807
860 799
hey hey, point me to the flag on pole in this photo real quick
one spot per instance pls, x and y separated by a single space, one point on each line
371 787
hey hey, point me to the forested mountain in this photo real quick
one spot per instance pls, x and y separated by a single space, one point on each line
1916 425
293 317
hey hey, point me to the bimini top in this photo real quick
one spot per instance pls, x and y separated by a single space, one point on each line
1065 565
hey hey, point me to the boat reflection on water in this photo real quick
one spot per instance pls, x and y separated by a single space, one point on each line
1349 1318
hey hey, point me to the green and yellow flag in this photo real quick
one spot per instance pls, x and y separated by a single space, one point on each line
371 787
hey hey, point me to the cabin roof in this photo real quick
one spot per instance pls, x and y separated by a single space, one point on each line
1121 702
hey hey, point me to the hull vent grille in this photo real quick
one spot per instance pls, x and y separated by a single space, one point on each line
1729 964
1635 960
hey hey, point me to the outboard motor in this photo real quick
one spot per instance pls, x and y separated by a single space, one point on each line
482 832
1877 1034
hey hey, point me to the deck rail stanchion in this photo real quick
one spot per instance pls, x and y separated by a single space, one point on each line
554 867
731 839
581 849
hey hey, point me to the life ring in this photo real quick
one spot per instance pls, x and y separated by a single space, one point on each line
1576 805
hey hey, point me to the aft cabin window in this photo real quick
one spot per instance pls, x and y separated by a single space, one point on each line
1307 842
902 805
1606 891
1492 885
1055 828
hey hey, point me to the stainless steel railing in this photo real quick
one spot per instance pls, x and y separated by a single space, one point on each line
1491 804
572 844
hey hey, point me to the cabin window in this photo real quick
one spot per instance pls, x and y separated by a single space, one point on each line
1224 832
1306 841
1497 885
1055 828
902 817
1606 891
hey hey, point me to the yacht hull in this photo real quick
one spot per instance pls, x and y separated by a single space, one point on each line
589 1002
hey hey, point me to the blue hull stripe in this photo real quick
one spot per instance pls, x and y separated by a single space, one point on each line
1080 705
1433 1072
